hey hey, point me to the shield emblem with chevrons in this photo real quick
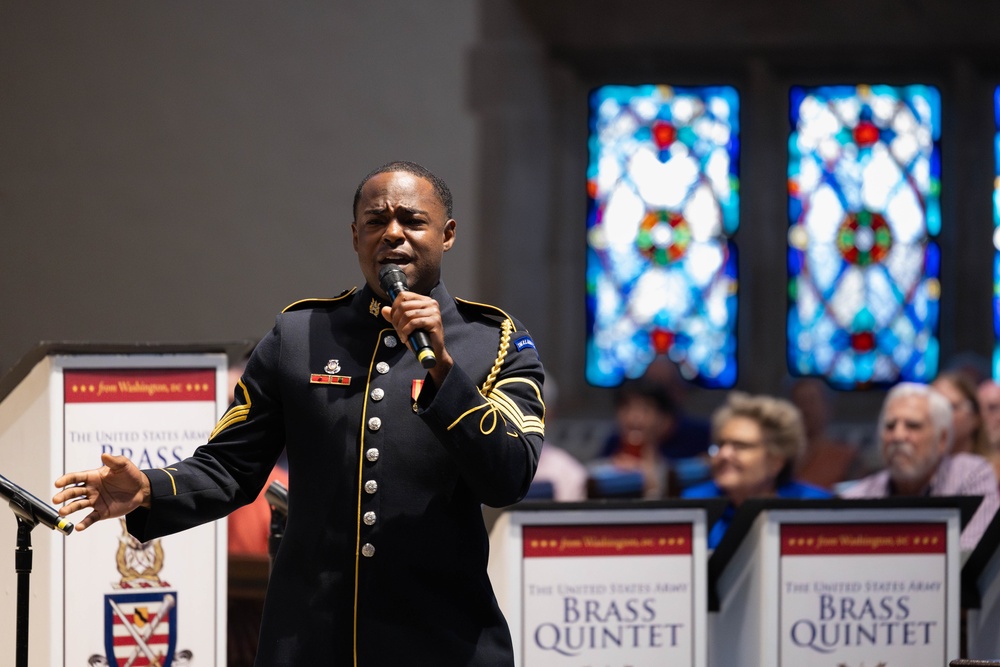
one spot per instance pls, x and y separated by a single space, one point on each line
140 628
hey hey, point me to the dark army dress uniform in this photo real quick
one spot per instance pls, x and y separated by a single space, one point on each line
383 560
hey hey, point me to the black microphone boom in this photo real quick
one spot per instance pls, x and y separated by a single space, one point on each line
31 509
393 281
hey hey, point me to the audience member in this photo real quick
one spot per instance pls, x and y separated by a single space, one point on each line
559 476
826 460
757 440
687 436
988 394
915 427
644 414
968 431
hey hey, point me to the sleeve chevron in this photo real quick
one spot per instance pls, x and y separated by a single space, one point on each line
509 407
236 414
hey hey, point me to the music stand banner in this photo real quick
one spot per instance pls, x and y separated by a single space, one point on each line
603 587
129 602
863 594
641 615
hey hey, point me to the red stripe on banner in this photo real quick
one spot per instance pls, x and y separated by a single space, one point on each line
155 640
863 538
602 540
138 385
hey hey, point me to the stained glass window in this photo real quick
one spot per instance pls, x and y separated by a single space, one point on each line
996 236
864 210
663 188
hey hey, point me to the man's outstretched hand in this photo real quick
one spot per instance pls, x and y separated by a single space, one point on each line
113 490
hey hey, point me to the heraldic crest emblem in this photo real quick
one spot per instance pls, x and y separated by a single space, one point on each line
140 619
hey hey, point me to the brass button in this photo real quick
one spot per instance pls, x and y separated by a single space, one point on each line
382 367
390 341
369 518
372 455
374 423
377 394
368 550
371 486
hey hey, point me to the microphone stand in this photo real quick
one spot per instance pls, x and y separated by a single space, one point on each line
26 521
277 499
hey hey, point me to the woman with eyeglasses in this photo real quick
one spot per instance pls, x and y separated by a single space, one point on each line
756 440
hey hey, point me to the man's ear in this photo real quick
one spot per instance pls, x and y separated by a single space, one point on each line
449 234
354 235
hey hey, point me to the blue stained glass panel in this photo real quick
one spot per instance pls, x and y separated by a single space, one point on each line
996 235
864 208
663 187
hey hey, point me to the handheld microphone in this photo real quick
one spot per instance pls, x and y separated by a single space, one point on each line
31 509
393 281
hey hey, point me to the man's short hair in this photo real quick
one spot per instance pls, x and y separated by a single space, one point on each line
938 406
440 187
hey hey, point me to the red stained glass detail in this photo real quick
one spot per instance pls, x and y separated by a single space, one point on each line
863 342
865 134
664 134
662 340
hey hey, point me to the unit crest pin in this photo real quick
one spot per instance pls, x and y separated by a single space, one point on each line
332 367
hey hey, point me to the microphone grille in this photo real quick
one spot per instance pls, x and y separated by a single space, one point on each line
389 275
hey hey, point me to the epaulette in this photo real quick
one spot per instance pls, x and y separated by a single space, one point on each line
319 303
484 309
506 327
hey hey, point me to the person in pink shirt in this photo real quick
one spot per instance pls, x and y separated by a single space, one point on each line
915 428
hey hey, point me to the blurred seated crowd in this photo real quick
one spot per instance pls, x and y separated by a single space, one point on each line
937 439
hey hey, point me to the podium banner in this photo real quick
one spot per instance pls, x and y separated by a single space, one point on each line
863 594
133 603
605 594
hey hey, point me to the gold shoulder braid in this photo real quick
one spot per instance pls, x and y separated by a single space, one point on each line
505 330
497 402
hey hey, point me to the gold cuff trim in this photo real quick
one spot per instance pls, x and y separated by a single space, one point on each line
173 484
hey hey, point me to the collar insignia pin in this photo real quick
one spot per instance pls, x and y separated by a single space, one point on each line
375 308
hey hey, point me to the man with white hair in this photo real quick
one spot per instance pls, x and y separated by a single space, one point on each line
915 428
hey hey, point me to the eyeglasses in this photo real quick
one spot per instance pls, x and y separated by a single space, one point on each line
738 446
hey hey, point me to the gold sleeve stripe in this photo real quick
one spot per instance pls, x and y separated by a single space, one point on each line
509 409
235 414
526 424
502 403
173 484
